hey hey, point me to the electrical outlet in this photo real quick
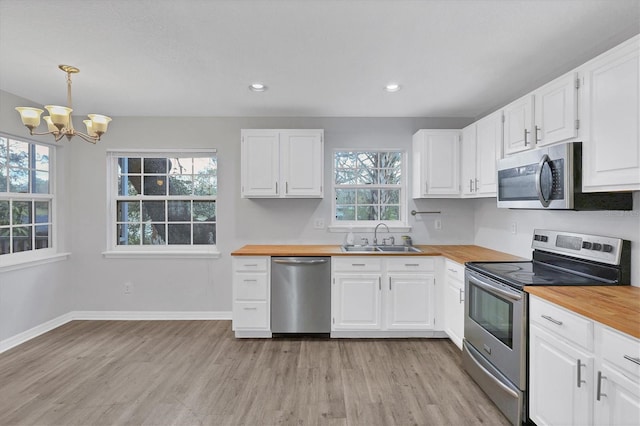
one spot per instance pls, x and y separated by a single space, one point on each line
514 228
128 288
318 223
437 224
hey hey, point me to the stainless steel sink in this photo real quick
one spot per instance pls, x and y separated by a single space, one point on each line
380 249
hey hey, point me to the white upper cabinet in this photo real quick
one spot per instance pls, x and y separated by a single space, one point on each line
610 128
518 125
468 160
436 163
488 152
282 163
556 111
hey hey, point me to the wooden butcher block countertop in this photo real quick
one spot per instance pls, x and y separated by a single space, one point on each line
457 253
615 306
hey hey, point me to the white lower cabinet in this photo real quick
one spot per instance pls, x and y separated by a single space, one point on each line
376 297
581 372
454 301
251 296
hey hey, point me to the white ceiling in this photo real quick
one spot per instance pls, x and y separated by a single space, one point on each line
453 58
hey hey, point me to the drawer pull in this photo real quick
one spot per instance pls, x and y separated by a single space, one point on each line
357 264
548 318
250 281
411 264
250 309
452 270
461 297
580 365
632 359
249 265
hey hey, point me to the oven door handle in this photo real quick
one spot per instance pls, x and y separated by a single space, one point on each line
495 290
544 160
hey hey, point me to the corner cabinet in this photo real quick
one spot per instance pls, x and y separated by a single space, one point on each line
282 163
611 124
383 297
581 372
436 163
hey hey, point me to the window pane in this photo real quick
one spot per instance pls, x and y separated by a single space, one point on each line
4 212
390 213
180 166
42 157
42 237
129 165
345 160
346 177
204 211
128 211
154 233
179 234
19 180
128 185
4 151
129 234
205 165
206 185
42 212
345 196
367 213
367 196
179 211
3 179
367 160
155 166
390 196
367 176
21 238
204 233
4 241
21 212
42 183
345 213
390 159
155 185
180 185
18 154
389 176
154 211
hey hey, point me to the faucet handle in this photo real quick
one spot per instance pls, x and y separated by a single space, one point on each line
364 241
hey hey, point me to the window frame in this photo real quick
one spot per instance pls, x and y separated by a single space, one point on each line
400 225
114 250
32 257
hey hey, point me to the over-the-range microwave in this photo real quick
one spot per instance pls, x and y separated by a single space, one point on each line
551 178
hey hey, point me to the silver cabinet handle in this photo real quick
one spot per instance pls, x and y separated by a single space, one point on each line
599 386
537 130
247 265
461 297
476 186
357 264
452 270
426 187
276 187
389 283
548 318
286 187
526 132
470 185
632 359
411 264
250 309
580 365
380 283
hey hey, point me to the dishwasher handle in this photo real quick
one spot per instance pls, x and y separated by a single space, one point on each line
300 262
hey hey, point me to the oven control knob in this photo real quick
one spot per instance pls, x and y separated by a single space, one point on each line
607 248
586 245
544 238
597 246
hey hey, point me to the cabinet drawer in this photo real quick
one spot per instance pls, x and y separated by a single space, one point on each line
356 264
410 264
454 270
621 350
250 287
250 315
245 264
564 323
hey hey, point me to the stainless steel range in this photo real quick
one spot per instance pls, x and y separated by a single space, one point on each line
495 328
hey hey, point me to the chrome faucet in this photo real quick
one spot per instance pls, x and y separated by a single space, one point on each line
375 233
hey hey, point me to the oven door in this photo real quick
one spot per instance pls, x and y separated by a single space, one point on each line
495 324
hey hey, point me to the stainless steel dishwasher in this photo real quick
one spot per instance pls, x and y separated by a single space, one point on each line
300 294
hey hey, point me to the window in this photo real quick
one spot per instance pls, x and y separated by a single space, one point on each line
26 197
164 201
369 188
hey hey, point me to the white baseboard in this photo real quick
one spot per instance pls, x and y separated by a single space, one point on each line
25 336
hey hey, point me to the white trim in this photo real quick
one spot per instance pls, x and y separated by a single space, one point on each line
162 152
13 264
253 334
131 254
367 228
399 334
36 331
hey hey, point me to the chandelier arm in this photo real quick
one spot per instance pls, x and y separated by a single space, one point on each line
59 135
90 139
32 133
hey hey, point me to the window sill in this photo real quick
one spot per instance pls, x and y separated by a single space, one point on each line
12 265
367 228
129 254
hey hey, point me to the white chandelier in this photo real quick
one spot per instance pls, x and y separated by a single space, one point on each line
59 121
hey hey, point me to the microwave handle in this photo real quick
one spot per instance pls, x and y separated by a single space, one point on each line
545 159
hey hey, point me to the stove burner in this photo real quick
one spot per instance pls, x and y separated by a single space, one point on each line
530 278
505 267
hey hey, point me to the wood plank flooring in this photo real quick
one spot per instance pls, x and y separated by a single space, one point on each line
197 373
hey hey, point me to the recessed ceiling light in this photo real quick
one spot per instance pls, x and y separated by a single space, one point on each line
392 87
257 87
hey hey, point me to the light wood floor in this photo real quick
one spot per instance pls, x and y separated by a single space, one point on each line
197 373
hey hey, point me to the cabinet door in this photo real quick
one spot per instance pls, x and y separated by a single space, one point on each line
618 401
356 302
440 162
454 310
560 381
260 163
410 302
556 111
468 163
302 163
610 125
518 123
489 149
